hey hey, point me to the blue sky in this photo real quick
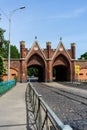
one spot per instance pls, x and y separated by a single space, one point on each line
48 20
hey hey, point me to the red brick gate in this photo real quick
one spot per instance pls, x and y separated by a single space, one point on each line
46 60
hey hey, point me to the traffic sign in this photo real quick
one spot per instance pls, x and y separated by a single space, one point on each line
77 69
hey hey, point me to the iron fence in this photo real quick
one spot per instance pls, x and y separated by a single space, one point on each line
44 117
5 86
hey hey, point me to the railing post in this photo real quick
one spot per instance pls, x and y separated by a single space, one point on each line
47 124
39 114
33 99
35 107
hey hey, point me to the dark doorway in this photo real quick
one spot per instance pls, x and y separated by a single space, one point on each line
60 73
35 73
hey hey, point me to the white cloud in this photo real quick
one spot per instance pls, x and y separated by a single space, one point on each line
79 11
71 14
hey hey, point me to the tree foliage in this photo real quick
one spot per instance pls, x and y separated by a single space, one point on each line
14 52
54 72
2 68
83 56
32 71
4 45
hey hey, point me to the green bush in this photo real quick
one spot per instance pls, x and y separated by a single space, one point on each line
2 68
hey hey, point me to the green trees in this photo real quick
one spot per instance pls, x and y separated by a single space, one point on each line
33 71
14 52
4 47
83 56
2 68
3 52
3 44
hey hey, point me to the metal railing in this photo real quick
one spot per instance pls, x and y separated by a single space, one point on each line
44 117
5 86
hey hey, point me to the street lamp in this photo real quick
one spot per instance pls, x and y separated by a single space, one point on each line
10 16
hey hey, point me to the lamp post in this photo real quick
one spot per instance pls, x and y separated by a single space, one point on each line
10 16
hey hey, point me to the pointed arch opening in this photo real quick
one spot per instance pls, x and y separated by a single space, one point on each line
36 68
61 69
36 73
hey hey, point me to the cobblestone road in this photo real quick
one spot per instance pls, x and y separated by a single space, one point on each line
69 111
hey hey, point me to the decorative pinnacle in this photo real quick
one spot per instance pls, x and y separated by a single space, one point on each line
35 37
60 38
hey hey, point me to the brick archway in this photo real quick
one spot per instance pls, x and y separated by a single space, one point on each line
62 66
38 62
61 59
47 59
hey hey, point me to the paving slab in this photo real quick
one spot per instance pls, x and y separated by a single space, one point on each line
13 109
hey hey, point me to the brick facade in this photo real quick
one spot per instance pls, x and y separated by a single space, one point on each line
14 69
60 59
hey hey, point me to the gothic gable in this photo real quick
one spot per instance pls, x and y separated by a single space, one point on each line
61 51
35 49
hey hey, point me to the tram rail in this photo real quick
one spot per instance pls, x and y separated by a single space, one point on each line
70 95
69 105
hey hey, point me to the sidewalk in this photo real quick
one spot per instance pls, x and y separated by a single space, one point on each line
13 109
